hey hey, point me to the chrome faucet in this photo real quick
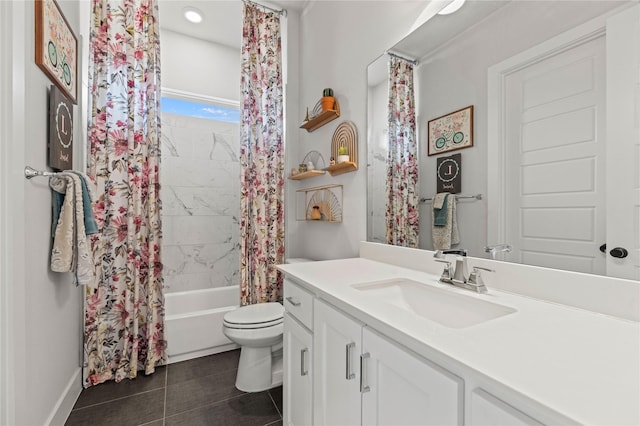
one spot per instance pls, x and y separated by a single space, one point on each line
460 276
498 248
460 272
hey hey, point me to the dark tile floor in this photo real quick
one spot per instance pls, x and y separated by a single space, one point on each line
200 391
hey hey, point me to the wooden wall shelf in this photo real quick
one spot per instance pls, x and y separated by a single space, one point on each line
346 167
307 175
323 118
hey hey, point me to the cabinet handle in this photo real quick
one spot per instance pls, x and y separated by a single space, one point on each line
350 375
303 363
293 302
364 387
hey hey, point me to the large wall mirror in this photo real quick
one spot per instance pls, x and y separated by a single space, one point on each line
556 148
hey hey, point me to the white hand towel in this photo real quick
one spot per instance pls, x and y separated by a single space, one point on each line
71 251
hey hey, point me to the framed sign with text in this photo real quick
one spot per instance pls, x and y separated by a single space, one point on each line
449 174
60 131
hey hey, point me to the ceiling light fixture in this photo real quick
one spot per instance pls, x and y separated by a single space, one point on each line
193 15
451 7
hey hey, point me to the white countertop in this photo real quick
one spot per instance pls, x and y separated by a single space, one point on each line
580 364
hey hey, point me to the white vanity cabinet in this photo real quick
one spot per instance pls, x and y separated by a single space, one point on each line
364 378
297 356
336 388
297 375
487 410
401 388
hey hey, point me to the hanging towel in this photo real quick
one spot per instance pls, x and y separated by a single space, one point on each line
446 235
90 225
440 209
70 252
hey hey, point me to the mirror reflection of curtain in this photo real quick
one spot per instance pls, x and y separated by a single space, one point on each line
124 312
402 164
261 157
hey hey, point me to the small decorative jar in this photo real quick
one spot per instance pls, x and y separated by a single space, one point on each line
315 213
302 168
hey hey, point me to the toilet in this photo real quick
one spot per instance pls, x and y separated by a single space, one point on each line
258 330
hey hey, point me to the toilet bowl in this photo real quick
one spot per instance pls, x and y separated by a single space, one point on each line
258 330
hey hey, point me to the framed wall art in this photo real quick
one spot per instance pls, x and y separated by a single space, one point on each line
451 131
56 47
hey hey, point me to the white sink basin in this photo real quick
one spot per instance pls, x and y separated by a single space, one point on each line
443 306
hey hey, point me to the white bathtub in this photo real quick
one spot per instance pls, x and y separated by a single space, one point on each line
193 322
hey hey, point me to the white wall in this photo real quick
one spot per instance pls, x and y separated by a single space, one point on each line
46 308
197 66
338 40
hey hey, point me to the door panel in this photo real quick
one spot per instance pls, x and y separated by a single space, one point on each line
555 189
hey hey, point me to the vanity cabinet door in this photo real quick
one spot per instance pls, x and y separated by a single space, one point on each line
400 388
336 384
298 377
487 410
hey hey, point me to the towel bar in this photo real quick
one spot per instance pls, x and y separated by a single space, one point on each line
30 172
477 197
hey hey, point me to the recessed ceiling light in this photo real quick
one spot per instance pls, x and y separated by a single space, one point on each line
193 15
451 7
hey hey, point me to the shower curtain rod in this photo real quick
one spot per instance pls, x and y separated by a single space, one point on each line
411 61
282 12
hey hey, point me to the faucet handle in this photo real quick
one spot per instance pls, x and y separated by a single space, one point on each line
475 278
447 274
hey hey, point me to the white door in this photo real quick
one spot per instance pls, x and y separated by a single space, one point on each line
402 389
298 345
564 176
623 141
555 155
336 385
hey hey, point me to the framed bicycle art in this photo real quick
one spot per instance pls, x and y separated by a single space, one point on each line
56 47
451 131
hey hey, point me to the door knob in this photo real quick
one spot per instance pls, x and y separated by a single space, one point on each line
619 252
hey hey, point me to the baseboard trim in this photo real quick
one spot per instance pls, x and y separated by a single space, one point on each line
63 407
200 353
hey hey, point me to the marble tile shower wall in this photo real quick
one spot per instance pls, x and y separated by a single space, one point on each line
201 202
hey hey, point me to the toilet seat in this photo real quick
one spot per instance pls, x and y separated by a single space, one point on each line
261 315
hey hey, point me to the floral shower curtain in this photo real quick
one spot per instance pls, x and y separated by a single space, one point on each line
261 157
402 167
124 312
